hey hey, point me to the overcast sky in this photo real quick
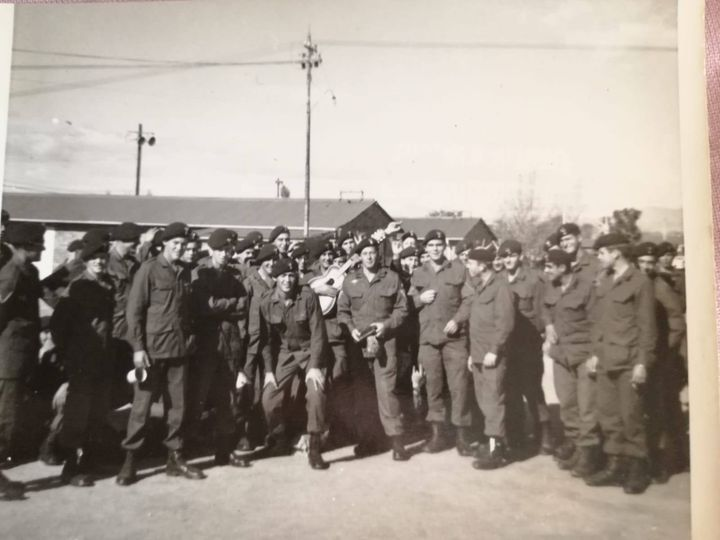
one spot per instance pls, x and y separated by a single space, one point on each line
454 104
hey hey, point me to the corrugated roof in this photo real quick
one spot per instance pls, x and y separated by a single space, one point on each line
245 214
454 228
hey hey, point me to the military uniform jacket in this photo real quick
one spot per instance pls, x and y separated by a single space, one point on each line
219 306
82 325
492 316
670 315
569 312
295 332
624 321
20 291
587 267
408 335
448 283
158 309
256 287
383 300
121 270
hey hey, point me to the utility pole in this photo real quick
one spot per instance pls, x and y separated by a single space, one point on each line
310 59
140 141
278 183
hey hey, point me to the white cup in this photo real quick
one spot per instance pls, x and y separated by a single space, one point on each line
136 375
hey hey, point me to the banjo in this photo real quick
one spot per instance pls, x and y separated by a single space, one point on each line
333 277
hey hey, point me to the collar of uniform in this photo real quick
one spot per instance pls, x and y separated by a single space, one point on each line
278 299
521 274
627 275
443 266
163 261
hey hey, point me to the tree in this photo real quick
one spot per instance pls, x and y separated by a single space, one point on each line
625 222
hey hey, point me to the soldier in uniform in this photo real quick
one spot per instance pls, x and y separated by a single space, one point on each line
293 352
81 327
346 242
20 291
245 250
192 252
5 251
571 242
436 292
525 359
624 339
566 312
373 301
159 330
280 236
492 317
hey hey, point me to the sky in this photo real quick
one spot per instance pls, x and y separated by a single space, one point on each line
421 105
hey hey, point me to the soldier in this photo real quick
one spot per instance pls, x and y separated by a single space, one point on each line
346 242
566 311
409 240
82 326
159 330
299 254
373 302
667 378
245 251
624 338
525 360
280 236
436 292
192 252
571 242
492 317
666 253
5 251
293 354
19 330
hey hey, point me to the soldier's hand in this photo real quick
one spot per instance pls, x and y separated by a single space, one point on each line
372 346
379 329
241 380
396 246
428 296
326 290
417 377
546 347
490 360
551 335
393 227
270 379
148 235
355 334
639 376
470 364
451 327
315 375
141 360
591 364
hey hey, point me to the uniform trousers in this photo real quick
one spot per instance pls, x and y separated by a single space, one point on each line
524 380
447 361
620 413
490 395
12 392
86 405
576 393
166 377
211 383
279 402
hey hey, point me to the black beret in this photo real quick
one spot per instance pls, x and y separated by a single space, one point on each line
484 255
157 238
19 234
558 256
552 241
126 232
323 247
366 242
91 249
192 236
277 231
245 244
409 252
175 230
267 251
347 235
646 249
434 234
568 228
299 250
75 245
340 253
5 217
510 246
663 248
611 240
222 238
408 234
92 235
460 247
283 266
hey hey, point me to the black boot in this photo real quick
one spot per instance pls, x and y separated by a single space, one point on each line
569 464
547 445
74 473
463 442
49 452
10 489
224 456
565 451
128 472
491 456
365 449
176 466
315 454
278 445
589 461
398 449
638 477
613 474
436 442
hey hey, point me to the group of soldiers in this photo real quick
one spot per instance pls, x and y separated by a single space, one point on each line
328 341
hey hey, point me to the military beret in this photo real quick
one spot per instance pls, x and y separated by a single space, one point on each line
300 250
277 231
340 253
663 248
409 252
347 235
267 252
222 238
408 234
646 249
552 241
96 234
192 236
157 238
19 234
461 246
568 229
435 234
323 247
126 232
175 230
245 244
92 249
75 245
283 266
366 242
611 240
559 257
510 246
5 217
483 255
255 237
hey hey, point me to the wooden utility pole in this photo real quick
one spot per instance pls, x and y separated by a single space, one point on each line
310 59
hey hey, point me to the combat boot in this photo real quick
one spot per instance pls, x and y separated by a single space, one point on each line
613 474
73 473
491 456
463 442
565 451
9 489
547 445
315 454
177 466
436 442
638 477
398 449
278 445
224 456
128 472
588 462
